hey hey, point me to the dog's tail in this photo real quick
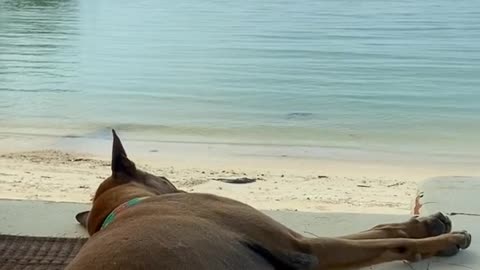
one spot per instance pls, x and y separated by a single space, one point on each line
284 260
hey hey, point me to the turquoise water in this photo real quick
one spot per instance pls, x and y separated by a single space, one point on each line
395 75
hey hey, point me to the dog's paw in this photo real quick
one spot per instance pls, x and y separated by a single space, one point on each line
436 224
464 242
467 241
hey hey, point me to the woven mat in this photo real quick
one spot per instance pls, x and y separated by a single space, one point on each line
37 253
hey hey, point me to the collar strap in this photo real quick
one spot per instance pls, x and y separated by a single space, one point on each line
111 217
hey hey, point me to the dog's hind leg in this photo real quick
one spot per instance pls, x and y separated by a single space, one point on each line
283 259
341 254
422 227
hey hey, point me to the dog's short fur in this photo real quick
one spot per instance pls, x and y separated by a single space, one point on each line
172 229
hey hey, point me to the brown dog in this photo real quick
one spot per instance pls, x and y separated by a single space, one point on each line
141 221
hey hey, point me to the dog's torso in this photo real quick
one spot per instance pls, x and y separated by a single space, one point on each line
192 231
142 221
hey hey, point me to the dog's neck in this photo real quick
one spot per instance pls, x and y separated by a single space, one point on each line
109 201
112 216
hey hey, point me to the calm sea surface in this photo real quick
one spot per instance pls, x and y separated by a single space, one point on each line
371 74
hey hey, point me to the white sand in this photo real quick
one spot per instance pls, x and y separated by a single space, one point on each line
284 182
59 176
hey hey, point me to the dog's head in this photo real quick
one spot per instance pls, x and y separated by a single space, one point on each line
124 172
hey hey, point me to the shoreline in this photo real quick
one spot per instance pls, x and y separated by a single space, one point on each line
296 179
268 156
148 137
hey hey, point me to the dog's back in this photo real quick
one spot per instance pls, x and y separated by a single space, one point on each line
194 231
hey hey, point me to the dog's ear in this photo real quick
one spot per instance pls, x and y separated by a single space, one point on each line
82 218
120 161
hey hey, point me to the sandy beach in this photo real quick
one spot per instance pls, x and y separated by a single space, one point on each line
61 176
282 181
297 178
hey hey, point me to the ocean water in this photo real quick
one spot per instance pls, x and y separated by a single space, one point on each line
370 74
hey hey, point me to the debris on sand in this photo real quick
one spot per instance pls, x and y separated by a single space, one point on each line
397 184
241 180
